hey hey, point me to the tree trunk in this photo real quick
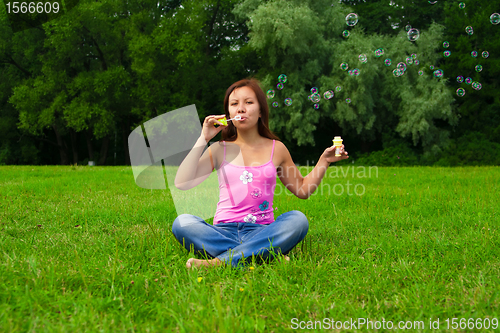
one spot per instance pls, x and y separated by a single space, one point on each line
63 149
125 133
74 145
104 151
88 136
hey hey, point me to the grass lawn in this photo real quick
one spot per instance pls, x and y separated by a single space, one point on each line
85 249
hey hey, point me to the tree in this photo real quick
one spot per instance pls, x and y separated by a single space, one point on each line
303 39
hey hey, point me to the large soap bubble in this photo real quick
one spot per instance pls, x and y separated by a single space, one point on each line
315 97
438 73
413 35
282 78
270 94
288 101
351 19
460 92
328 94
495 18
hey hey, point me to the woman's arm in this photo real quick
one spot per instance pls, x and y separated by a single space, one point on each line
304 187
195 169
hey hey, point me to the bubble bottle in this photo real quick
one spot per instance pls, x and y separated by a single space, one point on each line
337 142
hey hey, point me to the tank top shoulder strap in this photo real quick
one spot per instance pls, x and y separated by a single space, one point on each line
272 152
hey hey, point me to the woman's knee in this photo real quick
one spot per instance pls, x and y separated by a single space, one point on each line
183 221
300 221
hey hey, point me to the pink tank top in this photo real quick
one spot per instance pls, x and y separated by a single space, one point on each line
246 193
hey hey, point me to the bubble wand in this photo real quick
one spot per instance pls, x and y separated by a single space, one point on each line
224 121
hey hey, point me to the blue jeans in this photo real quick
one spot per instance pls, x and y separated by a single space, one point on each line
230 242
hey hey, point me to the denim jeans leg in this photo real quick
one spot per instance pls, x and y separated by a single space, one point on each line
205 238
282 235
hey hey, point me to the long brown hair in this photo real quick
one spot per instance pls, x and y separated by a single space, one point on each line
230 133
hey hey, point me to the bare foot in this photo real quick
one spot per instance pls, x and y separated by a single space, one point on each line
195 263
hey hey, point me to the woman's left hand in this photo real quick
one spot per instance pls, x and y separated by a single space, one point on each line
329 154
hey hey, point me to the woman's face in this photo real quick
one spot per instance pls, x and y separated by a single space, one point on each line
243 102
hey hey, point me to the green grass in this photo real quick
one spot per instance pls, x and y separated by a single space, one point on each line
85 249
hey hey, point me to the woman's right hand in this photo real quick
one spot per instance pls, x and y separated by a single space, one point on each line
209 130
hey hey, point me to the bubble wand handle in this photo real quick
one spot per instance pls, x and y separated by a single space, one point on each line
224 120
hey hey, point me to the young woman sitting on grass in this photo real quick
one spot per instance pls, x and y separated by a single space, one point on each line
247 160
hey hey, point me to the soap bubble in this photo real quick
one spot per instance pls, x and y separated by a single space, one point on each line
446 45
409 60
282 78
460 92
438 73
495 18
344 66
275 104
473 54
468 80
414 56
460 79
314 90
469 30
356 71
446 53
288 101
476 85
486 54
431 67
351 72
345 33
315 97
432 2
479 68
413 35
279 86
417 62
387 62
408 27
338 88
316 106
397 72
328 94
363 58
420 73
401 66
351 19
461 5
379 52
270 93
348 100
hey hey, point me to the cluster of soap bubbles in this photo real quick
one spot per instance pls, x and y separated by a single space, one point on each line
354 72
315 96
379 52
413 34
282 79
